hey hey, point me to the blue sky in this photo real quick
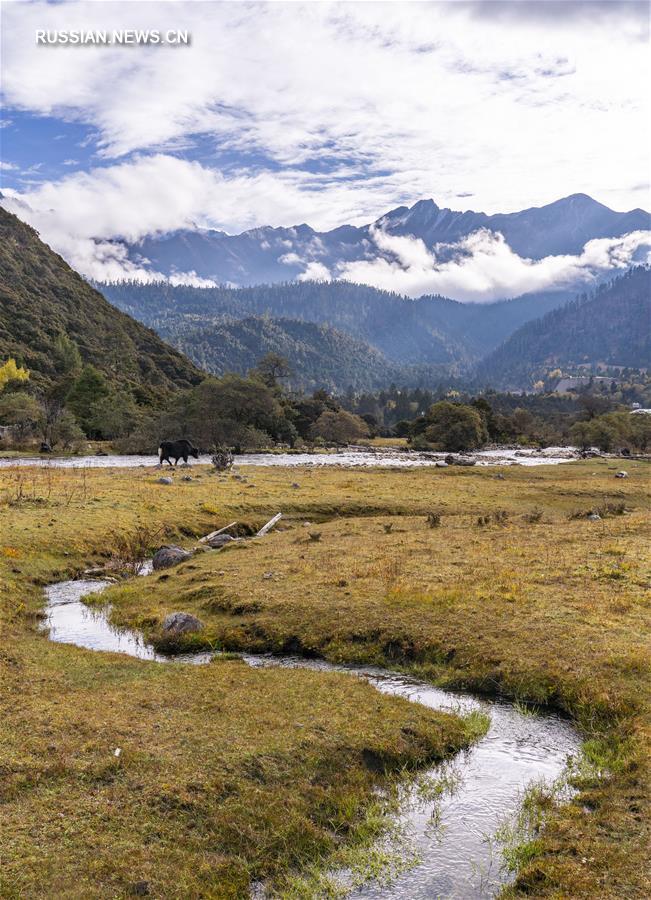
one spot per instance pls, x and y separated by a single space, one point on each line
326 113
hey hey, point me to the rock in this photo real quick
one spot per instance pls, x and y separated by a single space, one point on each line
187 478
169 556
441 464
621 475
452 460
624 451
295 485
165 479
181 623
219 541
594 517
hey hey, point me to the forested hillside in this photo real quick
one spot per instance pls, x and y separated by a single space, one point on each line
42 300
432 330
612 326
319 356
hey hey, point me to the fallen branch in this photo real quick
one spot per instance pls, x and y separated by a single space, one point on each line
270 524
208 537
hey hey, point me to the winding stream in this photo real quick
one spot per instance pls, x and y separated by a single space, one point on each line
457 858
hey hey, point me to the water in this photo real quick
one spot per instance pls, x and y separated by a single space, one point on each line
458 860
351 458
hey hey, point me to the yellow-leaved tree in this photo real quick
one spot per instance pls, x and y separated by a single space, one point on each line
9 371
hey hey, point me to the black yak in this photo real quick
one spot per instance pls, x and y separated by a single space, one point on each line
176 450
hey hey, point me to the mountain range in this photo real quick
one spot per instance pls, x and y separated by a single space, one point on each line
271 255
336 334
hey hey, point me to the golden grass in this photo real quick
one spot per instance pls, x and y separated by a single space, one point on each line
535 604
225 774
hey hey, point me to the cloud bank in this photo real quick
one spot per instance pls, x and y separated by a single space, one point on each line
482 267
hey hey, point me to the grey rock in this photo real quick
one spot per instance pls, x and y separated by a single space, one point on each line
441 464
166 480
594 517
219 541
465 461
621 475
181 623
168 556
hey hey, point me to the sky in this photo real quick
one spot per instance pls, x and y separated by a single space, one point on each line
325 113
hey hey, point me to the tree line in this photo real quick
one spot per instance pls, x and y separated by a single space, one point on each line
256 410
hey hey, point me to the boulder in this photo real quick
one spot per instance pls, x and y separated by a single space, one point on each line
452 460
594 517
168 556
621 475
219 541
181 623
441 464
166 480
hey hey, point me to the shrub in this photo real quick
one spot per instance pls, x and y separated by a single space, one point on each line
339 427
454 426
222 458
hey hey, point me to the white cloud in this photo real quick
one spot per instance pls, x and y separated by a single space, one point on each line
412 99
483 267
315 271
334 113
159 193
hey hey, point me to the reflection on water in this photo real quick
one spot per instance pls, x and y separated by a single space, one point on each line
456 858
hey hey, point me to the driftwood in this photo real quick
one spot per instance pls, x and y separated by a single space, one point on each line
208 537
270 524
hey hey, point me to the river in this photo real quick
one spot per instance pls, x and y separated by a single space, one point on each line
352 457
452 836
